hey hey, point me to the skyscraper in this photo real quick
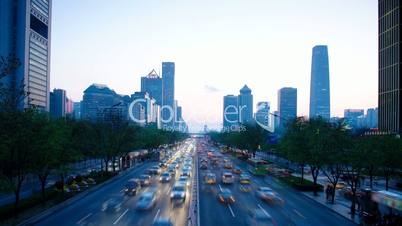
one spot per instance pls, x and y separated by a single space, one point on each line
372 118
230 112
168 71
389 66
152 84
96 98
25 27
287 105
245 106
352 117
262 114
319 83
58 103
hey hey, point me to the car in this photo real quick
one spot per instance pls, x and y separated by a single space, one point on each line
145 180
186 168
90 181
178 193
204 166
226 196
132 187
184 180
228 165
83 184
259 217
210 178
268 195
172 170
245 187
186 173
162 222
113 204
236 170
74 187
155 170
227 178
245 179
165 177
163 165
146 201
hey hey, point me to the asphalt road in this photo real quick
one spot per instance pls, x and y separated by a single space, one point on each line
297 209
88 211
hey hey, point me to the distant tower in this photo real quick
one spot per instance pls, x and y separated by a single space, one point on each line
287 105
319 83
168 108
152 84
245 105
230 112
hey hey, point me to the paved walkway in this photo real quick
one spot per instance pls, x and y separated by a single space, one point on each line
341 205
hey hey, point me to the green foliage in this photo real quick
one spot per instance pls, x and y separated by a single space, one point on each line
301 185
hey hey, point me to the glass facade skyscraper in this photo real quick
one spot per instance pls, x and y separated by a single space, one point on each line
319 83
389 67
152 84
230 112
245 105
25 33
168 108
287 105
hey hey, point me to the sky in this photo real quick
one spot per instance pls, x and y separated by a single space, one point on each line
218 46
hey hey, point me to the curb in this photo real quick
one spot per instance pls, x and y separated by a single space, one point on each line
33 220
322 204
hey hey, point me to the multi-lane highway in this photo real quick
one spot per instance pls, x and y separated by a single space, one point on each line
296 210
90 210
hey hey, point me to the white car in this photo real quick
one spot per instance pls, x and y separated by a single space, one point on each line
227 178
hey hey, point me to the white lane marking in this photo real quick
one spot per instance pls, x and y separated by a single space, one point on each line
118 219
298 213
231 211
156 215
263 210
168 191
220 188
84 218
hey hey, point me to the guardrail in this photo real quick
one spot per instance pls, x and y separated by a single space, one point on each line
193 213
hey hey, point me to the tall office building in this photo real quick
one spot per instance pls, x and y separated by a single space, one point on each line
230 112
58 103
287 105
96 98
372 118
389 67
353 117
152 84
25 27
319 83
168 71
245 105
262 114
77 110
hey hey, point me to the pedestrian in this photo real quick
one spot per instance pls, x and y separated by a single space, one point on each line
327 192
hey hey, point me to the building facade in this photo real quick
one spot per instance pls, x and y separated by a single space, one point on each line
168 72
319 83
354 117
245 105
152 84
96 98
389 71
230 112
26 35
58 103
372 118
262 115
77 110
287 105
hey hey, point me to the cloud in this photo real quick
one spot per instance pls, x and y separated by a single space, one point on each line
211 89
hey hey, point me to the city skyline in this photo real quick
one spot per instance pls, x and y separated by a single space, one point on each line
203 70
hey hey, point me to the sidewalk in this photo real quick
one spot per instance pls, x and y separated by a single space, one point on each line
341 205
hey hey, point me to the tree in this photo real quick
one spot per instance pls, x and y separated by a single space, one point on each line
390 151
